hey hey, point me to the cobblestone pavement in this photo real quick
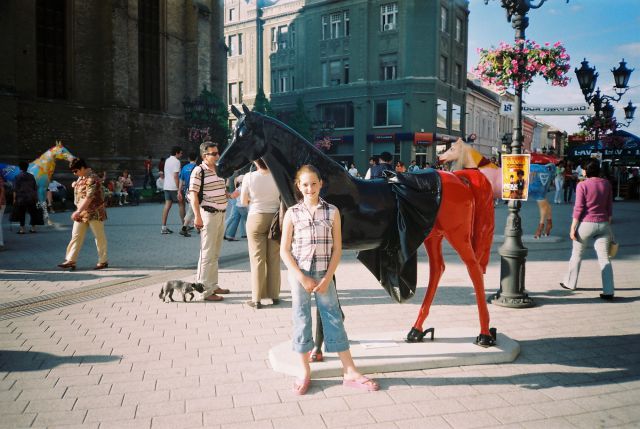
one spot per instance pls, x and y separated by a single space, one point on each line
100 350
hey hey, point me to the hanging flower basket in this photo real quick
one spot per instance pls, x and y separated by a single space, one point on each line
591 124
516 65
324 144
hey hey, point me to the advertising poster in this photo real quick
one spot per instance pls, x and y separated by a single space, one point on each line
515 176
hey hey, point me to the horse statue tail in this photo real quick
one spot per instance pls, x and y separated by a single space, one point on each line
483 214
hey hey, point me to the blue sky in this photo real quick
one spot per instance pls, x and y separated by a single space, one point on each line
602 31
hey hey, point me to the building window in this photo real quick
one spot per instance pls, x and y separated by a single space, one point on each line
325 27
235 93
388 16
458 30
444 68
335 25
336 21
274 42
283 81
232 14
457 76
443 109
345 67
456 113
341 114
149 54
389 67
335 72
387 113
347 30
52 50
292 35
235 45
283 36
325 74
444 19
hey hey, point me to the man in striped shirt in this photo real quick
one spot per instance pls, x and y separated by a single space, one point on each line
208 199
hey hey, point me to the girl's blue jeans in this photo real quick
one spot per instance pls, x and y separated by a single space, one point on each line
335 337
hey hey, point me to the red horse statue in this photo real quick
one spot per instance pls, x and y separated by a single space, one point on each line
456 206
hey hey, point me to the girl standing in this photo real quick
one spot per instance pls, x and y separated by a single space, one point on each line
311 249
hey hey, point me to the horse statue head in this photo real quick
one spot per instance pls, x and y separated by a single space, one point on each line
463 155
59 152
458 154
247 144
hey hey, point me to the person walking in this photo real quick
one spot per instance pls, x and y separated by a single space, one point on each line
183 194
559 182
208 199
384 164
90 213
239 213
171 173
311 249
592 214
25 198
260 193
569 182
148 174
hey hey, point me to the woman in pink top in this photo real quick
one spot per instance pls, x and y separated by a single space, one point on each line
592 220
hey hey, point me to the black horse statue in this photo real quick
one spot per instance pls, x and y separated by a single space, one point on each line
386 220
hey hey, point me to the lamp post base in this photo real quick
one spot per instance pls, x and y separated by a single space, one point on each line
513 257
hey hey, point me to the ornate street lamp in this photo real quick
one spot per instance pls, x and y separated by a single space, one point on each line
513 254
587 79
629 111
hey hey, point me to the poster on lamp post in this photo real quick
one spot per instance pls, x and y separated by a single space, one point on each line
515 177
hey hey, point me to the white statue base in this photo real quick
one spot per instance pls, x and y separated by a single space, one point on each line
388 352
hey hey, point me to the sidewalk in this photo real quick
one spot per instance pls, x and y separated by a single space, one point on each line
126 359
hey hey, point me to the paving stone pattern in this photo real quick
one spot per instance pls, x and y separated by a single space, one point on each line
128 360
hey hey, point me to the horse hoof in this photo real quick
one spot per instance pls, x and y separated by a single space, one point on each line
415 336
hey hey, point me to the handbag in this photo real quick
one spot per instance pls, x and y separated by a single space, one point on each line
275 229
613 247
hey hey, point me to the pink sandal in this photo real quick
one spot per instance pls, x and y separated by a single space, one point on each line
316 356
300 386
363 383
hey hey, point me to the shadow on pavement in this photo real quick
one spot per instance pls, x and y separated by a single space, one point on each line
22 361
598 361
55 276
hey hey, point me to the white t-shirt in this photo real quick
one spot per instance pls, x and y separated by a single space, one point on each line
171 166
264 196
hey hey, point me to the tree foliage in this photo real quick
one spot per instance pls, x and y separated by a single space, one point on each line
262 104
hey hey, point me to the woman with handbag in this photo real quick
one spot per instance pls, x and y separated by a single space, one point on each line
260 193
592 214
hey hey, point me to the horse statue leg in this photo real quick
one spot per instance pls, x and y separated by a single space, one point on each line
42 201
433 245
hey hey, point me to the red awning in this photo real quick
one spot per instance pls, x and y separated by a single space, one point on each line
541 158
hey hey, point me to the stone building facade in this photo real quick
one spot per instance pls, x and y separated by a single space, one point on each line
385 75
107 77
484 118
